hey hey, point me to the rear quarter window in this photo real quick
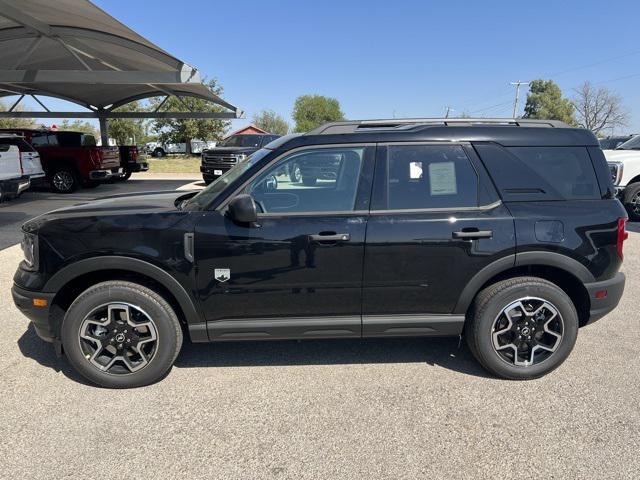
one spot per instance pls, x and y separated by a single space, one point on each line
541 173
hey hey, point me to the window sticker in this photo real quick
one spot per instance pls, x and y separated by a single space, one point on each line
442 178
415 170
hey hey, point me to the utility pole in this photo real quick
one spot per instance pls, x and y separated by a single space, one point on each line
515 103
449 109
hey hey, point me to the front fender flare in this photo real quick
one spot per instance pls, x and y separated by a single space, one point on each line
90 265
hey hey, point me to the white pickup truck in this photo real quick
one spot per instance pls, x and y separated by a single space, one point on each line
160 150
624 164
12 181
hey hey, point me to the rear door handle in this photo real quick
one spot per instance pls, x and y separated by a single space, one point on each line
472 234
330 237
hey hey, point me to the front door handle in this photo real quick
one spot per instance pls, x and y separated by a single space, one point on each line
330 237
472 234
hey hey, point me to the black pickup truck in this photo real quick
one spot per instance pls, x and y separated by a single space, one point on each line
216 161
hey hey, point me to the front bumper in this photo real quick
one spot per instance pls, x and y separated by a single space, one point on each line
614 287
39 316
213 171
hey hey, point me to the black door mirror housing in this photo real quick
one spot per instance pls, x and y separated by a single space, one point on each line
242 209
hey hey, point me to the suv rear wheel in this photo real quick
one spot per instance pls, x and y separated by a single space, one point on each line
522 328
120 335
64 180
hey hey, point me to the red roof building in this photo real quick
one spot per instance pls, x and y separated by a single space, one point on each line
248 130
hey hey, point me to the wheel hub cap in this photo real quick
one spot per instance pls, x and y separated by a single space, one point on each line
527 332
118 338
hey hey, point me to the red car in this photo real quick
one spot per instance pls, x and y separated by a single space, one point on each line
71 159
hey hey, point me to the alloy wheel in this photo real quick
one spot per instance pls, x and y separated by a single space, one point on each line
527 331
63 180
635 204
118 338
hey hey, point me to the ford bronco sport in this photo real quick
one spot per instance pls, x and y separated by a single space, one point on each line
506 232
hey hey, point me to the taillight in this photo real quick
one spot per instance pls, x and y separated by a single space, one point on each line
622 235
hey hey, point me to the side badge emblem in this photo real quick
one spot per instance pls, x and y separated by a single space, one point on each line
222 274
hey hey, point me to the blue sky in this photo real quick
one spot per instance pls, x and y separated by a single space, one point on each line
408 58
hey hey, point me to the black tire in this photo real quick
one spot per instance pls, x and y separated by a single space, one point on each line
64 180
631 201
489 305
208 180
309 181
159 153
168 339
126 175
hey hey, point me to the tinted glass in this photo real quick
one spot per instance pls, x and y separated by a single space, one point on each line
43 140
633 144
242 141
568 171
268 139
430 176
319 180
4 147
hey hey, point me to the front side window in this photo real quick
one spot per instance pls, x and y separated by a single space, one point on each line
430 176
317 180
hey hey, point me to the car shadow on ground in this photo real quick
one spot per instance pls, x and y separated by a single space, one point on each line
440 352
31 346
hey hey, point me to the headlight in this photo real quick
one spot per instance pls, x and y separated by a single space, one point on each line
29 246
616 169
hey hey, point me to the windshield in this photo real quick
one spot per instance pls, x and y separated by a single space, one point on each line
209 194
633 144
242 141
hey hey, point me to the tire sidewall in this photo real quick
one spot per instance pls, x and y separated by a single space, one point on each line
158 311
493 308
630 192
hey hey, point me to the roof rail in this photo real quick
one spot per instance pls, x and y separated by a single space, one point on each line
352 126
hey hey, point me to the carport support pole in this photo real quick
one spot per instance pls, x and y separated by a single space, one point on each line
104 131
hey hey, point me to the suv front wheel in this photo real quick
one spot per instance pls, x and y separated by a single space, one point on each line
120 335
522 328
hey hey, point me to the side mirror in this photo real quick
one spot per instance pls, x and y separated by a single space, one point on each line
242 209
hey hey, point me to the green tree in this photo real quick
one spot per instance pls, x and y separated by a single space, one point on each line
545 101
271 122
311 111
15 122
79 126
172 130
127 131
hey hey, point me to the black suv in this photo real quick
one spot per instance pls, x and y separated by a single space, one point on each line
507 232
217 161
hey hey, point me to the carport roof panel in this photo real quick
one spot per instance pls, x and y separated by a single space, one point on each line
39 36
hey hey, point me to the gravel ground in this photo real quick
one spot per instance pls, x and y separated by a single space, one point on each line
415 408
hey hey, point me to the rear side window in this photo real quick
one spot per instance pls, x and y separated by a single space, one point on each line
44 140
541 173
430 176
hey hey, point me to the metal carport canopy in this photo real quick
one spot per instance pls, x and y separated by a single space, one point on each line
73 50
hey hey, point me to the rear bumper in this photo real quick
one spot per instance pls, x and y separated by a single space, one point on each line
14 187
39 316
37 180
614 287
136 167
100 175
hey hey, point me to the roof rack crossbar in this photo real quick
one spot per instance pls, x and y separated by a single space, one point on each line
397 123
